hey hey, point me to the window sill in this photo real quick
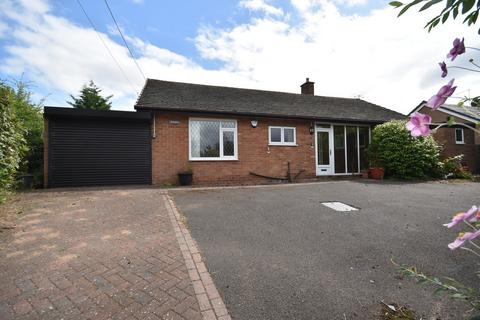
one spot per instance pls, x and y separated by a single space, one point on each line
282 145
213 159
459 142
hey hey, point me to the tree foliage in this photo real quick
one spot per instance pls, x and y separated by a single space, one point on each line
467 9
90 98
402 155
12 141
21 136
30 117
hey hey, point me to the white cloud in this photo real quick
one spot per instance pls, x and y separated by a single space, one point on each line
261 5
60 55
352 3
388 61
3 29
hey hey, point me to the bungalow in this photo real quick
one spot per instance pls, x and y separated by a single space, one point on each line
456 139
232 136
224 135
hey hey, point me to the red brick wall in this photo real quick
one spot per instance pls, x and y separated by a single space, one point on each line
446 138
170 152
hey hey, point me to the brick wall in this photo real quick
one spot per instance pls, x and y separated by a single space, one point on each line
170 152
445 136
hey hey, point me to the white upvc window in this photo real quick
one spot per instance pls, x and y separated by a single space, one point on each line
282 136
459 136
212 139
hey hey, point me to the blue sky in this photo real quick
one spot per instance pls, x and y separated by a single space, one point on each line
349 48
172 23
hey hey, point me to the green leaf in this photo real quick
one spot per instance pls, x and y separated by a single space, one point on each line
459 296
439 291
445 16
455 12
408 6
467 5
435 23
473 18
396 4
403 10
429 4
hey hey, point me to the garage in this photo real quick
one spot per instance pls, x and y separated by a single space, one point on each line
96 148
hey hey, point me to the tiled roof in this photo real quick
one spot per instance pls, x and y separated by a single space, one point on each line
177 96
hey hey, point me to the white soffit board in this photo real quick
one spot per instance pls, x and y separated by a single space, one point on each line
339 206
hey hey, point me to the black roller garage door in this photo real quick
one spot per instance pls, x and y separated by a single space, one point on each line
98 148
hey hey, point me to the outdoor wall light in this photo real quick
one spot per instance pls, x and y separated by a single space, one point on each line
254 123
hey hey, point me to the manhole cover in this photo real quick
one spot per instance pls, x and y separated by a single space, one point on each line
339 206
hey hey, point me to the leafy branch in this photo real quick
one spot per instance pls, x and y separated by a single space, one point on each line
445 285
452 9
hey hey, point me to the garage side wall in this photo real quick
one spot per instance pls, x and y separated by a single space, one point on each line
45 152
170 152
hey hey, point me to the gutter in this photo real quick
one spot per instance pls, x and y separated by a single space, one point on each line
263 115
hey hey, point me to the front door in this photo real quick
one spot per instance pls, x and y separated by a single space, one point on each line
324 155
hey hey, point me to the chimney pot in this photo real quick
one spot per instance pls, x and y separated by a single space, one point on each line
308 87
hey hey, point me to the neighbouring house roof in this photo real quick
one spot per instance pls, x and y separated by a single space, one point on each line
465 112
187 97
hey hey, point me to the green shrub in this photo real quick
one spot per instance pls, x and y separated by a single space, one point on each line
12 142
452 168
402 155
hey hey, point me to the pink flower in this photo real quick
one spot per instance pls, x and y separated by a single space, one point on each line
442 95
458 49
462 238
419 124
470 215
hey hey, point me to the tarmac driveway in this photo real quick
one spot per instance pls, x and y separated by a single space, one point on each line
276 252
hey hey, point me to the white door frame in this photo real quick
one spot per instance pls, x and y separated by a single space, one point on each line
325 170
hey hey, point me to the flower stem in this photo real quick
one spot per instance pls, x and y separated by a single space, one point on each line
474 244
470 225
476 65
439 125
470 250
463 68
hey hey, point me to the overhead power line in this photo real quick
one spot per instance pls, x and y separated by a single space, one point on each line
124 41
106 47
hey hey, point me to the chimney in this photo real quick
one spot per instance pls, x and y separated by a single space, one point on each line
308 87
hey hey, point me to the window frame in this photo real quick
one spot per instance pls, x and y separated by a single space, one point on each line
463 136
220 132
282 136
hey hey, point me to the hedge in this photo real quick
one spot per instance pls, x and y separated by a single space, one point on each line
12 142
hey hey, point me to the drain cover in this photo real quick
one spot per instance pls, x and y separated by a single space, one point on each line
339 206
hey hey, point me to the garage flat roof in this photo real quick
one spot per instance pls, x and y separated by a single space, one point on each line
99 114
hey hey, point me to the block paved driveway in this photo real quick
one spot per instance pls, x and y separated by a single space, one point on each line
277 253
93 254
